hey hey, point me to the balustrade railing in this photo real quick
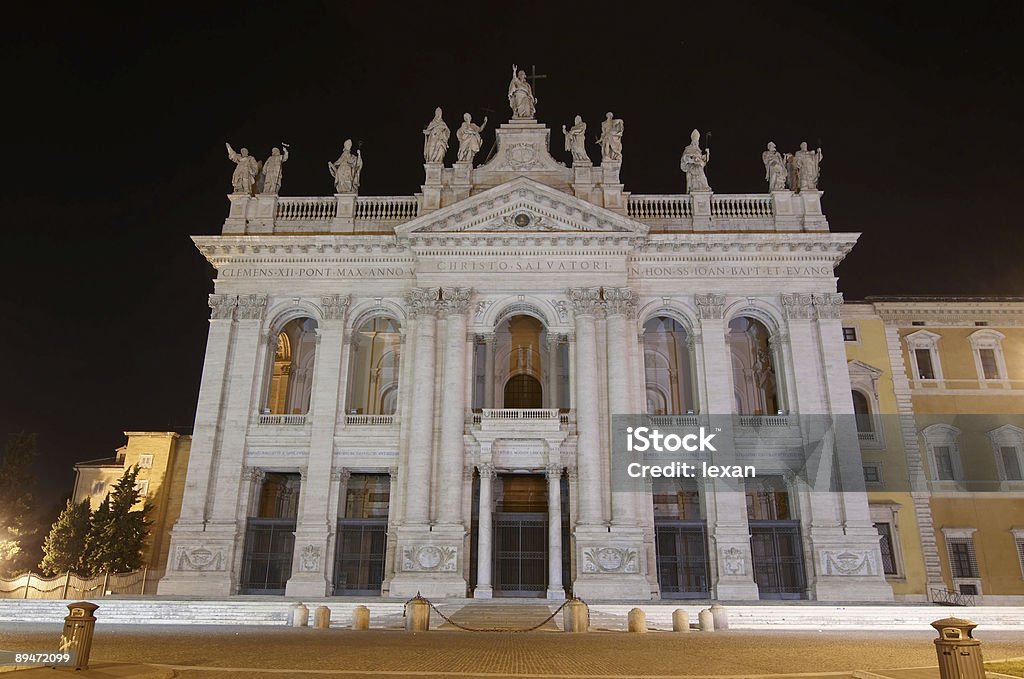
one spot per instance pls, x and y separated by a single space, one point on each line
748 205
291 420
370 419
306 209
519 414
673 420
386 208
764 420
660 207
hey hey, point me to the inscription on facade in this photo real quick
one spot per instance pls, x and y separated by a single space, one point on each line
726 271
324 272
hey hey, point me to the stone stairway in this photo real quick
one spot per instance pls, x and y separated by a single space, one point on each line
387 613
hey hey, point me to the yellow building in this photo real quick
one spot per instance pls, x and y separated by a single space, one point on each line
162 457
939 390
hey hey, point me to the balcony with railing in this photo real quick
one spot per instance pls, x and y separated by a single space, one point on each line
280 420
370 420
531 420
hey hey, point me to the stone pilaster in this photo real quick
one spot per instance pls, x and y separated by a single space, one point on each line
485 534
489 340
556 590
454 304
315 525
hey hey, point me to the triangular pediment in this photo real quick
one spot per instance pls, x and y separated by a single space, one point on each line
521 205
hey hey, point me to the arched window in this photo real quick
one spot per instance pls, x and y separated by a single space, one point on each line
755 377
523 391
668 370
862 412
291 380
375 362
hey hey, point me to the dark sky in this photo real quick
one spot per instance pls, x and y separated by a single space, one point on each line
117 123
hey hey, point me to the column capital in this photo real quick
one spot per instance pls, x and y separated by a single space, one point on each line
572 473
620 301
341 474
710 306
335 306
254 475
796 305
393 473
553 471
422 301
455 301
251 307
222 307
586 301
486 470
828 305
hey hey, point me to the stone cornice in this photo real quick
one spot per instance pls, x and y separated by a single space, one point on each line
951 313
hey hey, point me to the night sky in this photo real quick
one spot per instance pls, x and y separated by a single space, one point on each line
114 152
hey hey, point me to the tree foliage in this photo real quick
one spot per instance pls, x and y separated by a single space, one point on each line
65 546
17 483
117 532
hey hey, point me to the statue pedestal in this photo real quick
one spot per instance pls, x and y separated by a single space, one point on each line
345 217
701 203
238 213
786 218
263 220
430 199
611 189
462 180
810 200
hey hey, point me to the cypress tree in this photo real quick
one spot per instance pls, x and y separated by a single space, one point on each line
118 533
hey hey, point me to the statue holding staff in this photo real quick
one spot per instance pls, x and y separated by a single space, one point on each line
692 164
435 139
243 180
346 169
273 170
469 138
520 95
807 165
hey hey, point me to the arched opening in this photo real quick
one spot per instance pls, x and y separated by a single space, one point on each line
270 535
862 412
375 362
291 380
523 391
668 368
755 376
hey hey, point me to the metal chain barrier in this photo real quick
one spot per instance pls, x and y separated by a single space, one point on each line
475 629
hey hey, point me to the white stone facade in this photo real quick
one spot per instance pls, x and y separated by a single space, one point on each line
521 236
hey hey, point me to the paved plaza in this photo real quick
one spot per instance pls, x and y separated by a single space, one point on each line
239 652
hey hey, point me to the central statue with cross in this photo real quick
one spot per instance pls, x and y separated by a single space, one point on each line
520 94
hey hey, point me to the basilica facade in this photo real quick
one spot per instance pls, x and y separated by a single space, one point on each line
416 394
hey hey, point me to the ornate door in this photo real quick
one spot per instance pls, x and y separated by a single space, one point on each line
520 554
682 559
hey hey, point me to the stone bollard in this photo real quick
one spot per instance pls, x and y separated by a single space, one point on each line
637 620
706 621
300 615
360 618
576 616
719 616
680 621
417 615
322 617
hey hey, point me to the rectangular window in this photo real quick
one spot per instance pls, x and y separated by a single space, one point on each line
1020 554
962 562
849 334
888 550
944 463
143 488
871 474
925 371
146 461
988 364
1011 463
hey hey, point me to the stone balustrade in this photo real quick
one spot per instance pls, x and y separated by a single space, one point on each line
660 207
758 421
377 420
305 210
288 420
745 206
392 209
519 414
674 420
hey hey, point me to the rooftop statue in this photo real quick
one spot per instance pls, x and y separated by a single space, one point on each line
346 169
774 168
611 137
248 168
575 140
435 139
692 164
273 169
469 138
520 95
805 167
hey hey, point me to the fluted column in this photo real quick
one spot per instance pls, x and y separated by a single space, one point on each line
448 492
423 303
485 534
555 588
621 307
587 303
489 370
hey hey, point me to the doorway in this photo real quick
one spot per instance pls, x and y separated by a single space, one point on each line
520 541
